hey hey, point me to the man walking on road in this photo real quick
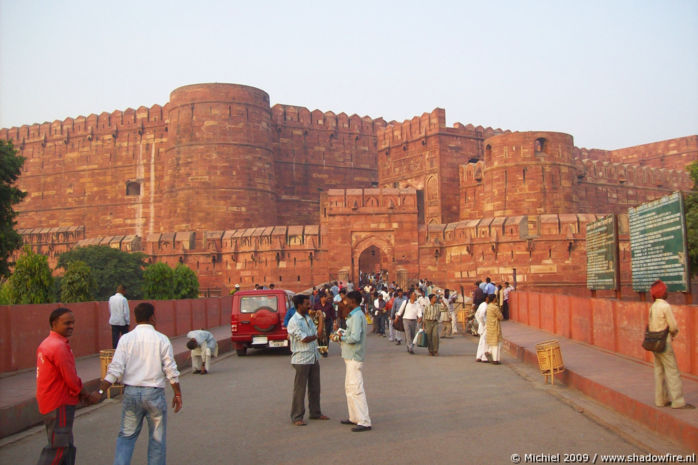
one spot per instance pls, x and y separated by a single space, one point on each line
397 304
353 342
412 312
119 315
306 361
142 360
432 315
59 389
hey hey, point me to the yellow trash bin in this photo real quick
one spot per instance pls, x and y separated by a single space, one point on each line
550 359
105 357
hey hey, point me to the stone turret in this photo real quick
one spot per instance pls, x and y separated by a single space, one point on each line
220 164
528 173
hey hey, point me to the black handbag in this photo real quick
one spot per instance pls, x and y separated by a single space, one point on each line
655 341
398 325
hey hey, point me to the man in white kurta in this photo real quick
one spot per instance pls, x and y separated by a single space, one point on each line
203 346
481 318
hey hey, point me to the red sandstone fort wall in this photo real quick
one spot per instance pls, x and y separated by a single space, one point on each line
545 250
519 176
672 154
219 180
217 156
316 151
424 154
78 171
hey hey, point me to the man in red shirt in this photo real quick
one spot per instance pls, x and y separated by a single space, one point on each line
59 389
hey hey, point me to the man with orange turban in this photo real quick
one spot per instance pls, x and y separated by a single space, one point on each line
668 389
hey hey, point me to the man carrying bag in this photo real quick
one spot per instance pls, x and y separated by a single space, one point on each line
668 390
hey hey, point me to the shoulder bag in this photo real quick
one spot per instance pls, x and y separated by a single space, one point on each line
397 323
655 341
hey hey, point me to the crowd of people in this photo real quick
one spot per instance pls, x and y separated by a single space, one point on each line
490 307
144 362
395 313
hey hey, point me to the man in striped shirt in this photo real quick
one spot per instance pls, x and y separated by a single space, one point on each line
306 361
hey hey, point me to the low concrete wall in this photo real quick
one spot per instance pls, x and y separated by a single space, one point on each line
617 326
23 327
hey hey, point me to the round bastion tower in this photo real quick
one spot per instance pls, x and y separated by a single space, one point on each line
528 173
219 162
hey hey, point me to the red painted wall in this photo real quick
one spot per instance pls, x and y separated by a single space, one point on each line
23 327
617 326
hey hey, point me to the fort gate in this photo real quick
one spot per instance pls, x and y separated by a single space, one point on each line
372 230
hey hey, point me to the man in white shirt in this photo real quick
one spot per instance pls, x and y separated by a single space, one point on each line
505 306
449 299
411 313
119 315
203 347
142 361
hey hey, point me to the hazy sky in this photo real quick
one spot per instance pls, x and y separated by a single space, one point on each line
611 73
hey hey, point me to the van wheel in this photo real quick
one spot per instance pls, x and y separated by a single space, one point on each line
241 352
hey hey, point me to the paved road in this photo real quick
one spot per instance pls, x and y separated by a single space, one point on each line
425 410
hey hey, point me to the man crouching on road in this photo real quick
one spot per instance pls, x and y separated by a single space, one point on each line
203 346
306 361
142 360
354 352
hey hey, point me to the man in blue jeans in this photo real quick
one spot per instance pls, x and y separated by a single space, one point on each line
142 360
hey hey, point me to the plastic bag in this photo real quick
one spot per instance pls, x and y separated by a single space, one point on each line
420 339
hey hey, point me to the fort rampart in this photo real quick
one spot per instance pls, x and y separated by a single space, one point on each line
245 192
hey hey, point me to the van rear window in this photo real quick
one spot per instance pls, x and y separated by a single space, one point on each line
253 303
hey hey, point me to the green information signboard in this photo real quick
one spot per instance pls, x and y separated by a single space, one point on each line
658 244
602 246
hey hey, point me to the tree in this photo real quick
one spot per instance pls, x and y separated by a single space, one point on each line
691 206
186 284
110 267
78 284
5 298
157 282
10 167
31 282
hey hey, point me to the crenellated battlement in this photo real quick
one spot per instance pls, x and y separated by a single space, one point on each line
290 115
597 171
510 229
84 126
395 133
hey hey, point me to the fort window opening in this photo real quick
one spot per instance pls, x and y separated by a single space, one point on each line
488 153
541 145
133 188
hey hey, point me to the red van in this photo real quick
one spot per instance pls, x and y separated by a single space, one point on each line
257 319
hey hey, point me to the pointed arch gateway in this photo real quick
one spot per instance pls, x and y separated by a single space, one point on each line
372 254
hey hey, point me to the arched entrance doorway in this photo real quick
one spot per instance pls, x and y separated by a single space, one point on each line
370 255
370 260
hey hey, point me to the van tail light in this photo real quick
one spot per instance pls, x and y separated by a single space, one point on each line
234 324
